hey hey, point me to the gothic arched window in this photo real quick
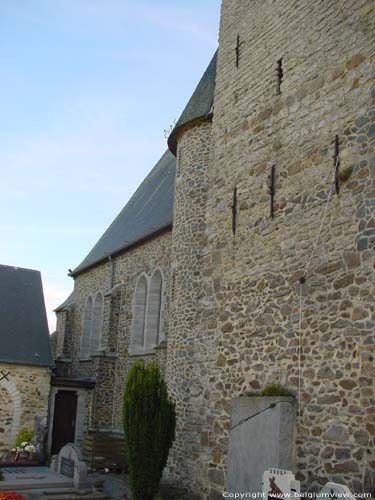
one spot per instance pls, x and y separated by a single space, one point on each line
137 341
153 316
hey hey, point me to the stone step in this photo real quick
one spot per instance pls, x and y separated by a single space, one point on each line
34 484
63 494
33 478
74 496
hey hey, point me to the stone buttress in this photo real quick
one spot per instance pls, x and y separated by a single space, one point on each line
190 141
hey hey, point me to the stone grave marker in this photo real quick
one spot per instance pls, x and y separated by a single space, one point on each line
39 440
261 437
335 491
280 485
69 463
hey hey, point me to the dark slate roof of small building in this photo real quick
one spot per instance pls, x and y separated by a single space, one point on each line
24 336
199 105
149 211
66 304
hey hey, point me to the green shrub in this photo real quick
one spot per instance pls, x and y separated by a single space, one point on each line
276 390
149 429
251 394
24 436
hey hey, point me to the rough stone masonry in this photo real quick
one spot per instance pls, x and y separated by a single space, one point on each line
291 76
248 303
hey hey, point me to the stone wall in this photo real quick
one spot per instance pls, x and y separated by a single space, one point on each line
183 352
249 332
61 327
116 280
235 313
7 407
22 398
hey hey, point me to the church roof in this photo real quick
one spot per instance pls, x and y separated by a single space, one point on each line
67 302
199 105
24 336
149 211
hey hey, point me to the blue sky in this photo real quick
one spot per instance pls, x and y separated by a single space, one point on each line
87 89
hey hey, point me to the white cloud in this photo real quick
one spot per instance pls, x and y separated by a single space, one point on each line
53 297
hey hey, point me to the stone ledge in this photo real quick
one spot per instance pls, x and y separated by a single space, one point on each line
138 354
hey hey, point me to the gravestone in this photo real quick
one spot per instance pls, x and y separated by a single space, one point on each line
69 463
335 491
261 437
280 485
39 439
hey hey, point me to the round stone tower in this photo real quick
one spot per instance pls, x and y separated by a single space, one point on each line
190 141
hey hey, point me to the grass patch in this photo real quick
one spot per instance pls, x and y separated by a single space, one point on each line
271 390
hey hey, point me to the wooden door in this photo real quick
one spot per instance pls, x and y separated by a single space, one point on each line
64 420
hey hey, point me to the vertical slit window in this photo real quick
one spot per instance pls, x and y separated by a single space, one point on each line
234 211
238 51
280 75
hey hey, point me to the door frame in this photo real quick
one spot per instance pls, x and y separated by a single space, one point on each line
81 414
59 432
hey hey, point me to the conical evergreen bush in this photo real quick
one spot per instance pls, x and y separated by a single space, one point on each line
149 427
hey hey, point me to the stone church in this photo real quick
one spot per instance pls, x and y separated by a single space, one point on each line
246 257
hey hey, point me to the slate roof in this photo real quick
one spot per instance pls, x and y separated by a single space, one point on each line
199 105
24 336
67 303
149 211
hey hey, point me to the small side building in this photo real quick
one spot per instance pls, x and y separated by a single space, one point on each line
25 354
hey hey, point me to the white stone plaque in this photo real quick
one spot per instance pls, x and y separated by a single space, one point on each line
280 485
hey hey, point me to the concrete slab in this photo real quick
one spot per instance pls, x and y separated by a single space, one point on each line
64 494
33 478
116 486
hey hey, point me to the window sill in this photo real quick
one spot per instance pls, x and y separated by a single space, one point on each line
90 357
97 354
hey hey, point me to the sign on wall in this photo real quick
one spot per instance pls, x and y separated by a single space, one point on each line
4 376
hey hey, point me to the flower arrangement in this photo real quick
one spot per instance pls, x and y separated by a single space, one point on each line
23 447
11 495
25 450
